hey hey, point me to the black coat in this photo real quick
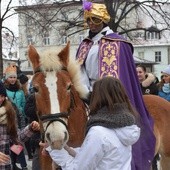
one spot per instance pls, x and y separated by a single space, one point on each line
30 112
151 89
30 108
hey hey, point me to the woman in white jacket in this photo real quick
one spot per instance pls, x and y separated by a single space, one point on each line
111 132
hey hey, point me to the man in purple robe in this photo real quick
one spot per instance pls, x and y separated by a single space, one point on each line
105 53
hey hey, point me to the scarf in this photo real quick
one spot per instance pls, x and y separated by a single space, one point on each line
166 88
119 117
13 87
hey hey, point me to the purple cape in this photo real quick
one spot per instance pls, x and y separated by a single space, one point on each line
143 150
116 59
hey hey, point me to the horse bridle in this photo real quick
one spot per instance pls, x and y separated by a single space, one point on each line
50 118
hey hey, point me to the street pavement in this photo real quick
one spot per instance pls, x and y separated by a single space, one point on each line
29 163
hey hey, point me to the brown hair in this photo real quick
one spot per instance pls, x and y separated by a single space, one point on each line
107 92
142 67
160 84
11 120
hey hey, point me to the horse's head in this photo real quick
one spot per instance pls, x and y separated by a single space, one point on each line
55 77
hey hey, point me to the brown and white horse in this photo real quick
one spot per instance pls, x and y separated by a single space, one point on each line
159 109
63 115
58 90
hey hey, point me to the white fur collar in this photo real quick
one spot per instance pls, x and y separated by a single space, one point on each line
149 80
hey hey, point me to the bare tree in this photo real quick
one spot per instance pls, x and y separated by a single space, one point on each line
59 18
125 14
8 11
122 10
44 14
127 17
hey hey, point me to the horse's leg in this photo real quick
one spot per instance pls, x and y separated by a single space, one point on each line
154 162
165 162
157 135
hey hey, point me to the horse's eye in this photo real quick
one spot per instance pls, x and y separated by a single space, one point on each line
35 89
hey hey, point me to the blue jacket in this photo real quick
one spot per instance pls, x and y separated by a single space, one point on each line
164 95
18 98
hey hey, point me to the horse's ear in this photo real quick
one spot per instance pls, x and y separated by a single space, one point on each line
33 57
64 54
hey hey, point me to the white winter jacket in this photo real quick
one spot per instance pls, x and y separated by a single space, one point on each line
102 149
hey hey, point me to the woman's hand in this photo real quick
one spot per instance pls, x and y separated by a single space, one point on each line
35 126
70 150
4 158
44 145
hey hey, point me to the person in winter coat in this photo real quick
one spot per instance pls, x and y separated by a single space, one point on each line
148 84
111 131
148 81
17 97
164 85
30 112
8 129
13 88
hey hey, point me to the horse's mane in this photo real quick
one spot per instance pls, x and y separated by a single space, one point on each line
49 61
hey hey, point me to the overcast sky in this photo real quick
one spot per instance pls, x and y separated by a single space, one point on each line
11 22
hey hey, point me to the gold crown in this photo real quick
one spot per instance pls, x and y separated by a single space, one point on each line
98 11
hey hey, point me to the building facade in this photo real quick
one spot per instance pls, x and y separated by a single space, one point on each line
50 25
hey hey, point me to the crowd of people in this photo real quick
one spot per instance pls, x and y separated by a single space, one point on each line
16 127
150 84
114 134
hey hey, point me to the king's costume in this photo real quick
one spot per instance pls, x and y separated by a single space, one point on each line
108 54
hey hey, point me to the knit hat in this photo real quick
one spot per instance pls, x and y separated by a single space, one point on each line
10 71
95 10
2 89
166 70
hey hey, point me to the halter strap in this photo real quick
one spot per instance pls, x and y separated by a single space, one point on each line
49 117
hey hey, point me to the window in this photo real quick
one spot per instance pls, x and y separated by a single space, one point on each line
81 38
46 39
29 21
141 55
152 35
64 40
29 39
139 35
158 56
